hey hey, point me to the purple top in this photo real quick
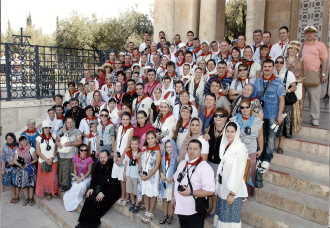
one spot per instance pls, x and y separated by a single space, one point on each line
81 164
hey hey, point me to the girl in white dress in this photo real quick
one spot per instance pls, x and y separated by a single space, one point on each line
149 173
124 135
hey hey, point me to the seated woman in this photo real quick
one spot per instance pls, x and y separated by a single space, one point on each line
7 162
82 166
25 174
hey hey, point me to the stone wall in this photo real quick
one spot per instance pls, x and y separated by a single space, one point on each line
14 114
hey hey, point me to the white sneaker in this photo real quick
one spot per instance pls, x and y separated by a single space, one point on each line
315 123
265 166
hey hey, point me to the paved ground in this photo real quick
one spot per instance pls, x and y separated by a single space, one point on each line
16 216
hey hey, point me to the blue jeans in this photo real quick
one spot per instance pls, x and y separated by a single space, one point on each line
269 141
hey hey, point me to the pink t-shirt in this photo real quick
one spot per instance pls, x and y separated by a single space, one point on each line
312 54
82 164
202 178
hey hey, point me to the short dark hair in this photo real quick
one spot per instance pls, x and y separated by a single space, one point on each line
131 80
191 32
170 63
126 114
58 95
104 110
222 63
188 52
179 82
196 141
232 124
151 70
268 61
268 32
257 31
284 27
140 84
211 95
72 84
264 47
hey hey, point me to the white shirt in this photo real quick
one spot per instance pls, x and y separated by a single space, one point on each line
290 78
277 50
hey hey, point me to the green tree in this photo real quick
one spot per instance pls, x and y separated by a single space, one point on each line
113 33
235 19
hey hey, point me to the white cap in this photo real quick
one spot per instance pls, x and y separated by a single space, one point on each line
181 45
46 123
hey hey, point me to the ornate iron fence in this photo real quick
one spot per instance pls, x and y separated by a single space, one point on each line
34 71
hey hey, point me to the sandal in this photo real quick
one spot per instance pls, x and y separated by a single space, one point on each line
14 200
146 218
170 219
32 202
25 202
163 220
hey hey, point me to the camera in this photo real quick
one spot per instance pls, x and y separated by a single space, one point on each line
118 155
21 161
180 177
274 126
164 184
144 173
48 147
247 130
181 188
132 162
219 178
101 143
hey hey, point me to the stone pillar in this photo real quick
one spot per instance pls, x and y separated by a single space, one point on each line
255 17
164 18
212 14
186 17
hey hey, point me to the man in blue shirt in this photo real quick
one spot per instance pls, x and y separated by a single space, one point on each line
270 91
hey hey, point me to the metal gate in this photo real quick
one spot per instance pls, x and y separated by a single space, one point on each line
34 71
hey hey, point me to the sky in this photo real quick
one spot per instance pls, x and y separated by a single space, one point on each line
44 12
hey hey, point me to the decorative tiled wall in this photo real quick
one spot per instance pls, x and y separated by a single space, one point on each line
310 13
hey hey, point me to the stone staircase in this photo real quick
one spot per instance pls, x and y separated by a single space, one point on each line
295 194
296 188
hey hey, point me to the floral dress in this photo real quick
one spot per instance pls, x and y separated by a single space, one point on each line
7 156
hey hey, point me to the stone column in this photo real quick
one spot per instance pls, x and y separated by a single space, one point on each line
164 18
255 17
186 17
212 14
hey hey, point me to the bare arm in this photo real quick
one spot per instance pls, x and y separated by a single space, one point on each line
260 141
280 110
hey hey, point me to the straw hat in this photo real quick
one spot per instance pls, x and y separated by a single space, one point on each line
310 28
295 44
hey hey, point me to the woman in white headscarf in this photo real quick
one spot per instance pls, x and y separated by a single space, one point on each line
230 187
196 85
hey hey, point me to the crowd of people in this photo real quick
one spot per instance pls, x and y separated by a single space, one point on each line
192 124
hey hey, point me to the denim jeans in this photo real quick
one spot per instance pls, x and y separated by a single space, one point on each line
269 138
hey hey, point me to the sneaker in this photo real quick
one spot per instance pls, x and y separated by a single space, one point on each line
32 202
136 209
315 123
265 166
131 208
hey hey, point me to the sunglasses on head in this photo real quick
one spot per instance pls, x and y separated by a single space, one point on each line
245 107
220 115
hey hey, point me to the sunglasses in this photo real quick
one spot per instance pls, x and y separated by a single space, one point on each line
242 70
103 115
220 116
245 107
82 150
279 62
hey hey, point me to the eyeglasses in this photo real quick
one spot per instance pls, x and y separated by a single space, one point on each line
82 150
245 107
104 115
220 115
239 70
279 62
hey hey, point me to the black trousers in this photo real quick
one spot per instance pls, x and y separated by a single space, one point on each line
191 221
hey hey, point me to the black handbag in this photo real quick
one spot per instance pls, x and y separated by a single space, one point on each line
201 203
291 97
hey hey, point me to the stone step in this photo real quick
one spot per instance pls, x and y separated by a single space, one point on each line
314 133
157 215
261 216
55 210
298 181
317 147
306 163
297 203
